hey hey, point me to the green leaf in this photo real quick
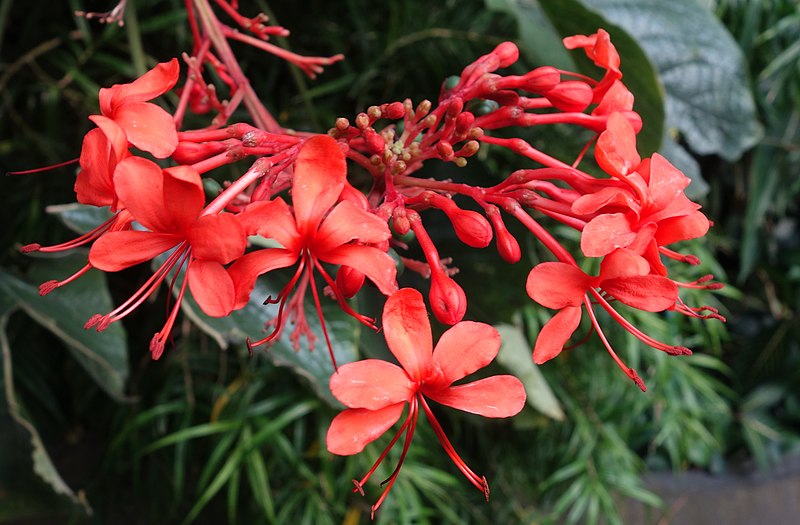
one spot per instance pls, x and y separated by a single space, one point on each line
103 355
80 218
42 464
639 75
701 68
515 356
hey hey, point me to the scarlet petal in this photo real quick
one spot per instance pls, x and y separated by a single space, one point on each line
94 185
115 251
148 127
345 223
496 396
408 332
682 228
651 293
666 182
376 264
217 238
355 428
605 233
464 348
273 220
211 287
183 193
152 84
319 176
140 187
371 384
609 196
557 285
623 263
248 267
615 151
115 135
555 334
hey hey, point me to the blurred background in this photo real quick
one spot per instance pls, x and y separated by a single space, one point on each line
93 431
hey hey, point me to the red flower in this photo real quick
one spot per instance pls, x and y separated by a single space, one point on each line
147 126
315 230
624 276
649 210
169 204
376 391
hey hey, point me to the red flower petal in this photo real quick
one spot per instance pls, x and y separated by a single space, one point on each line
319 176
94 184
211 287
376 264
666 182
677 229
651 293
496 396
272 220
148 127
555 334
371 384
248 267
140 187
464 348
593 202
408 332
557 285
355 428
115 251
605 233
345 223
184 196
623 263
152 84
217 238
615 151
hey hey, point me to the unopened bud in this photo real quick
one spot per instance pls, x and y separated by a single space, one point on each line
454 107
541 80
349 281
445 150
460 162
362 121
423 108
571 95
504 97
374 112
374 140
394 111
507 245
448 300
398 167
464 123
400 223
507 53
471 227
469 149
342 124
192 152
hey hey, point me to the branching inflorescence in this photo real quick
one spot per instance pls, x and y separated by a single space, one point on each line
297 193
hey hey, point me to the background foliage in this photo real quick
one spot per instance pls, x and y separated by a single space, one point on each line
93 431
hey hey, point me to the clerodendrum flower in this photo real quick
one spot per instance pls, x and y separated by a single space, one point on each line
314 230
147 126
169 204
376 392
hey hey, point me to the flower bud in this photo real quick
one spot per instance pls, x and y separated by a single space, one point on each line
507 245
393 111
571 95
349 281
471 228
507 53
192 152
445 150
541 80
464 123
448 300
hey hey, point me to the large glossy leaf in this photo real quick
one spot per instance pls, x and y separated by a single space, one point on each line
80 218
42 464
515 356
701 67
103 355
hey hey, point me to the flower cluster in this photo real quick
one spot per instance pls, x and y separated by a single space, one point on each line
297 195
